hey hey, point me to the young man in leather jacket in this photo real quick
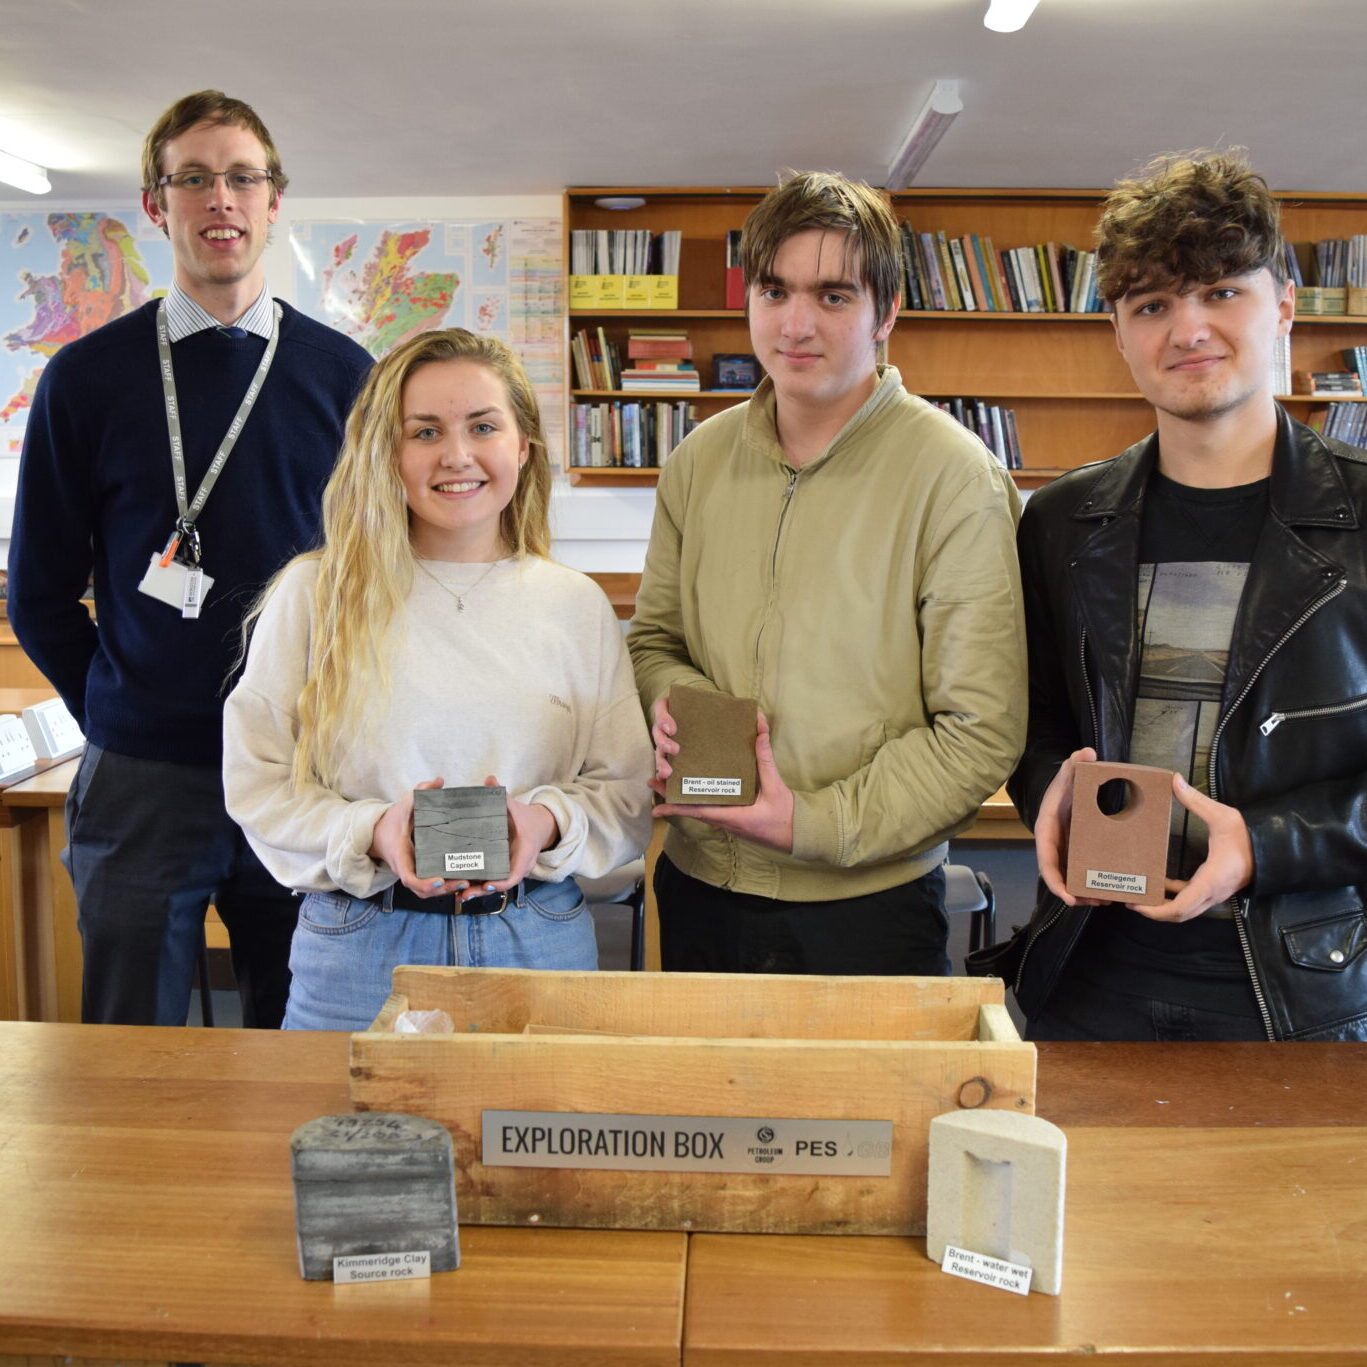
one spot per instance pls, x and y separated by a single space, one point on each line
1200 603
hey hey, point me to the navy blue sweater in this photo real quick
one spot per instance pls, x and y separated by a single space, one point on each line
96 491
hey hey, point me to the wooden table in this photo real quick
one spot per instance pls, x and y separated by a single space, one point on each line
146 1196
1216 1213
998 820
38 934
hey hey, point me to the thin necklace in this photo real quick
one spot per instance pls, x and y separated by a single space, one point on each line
458 594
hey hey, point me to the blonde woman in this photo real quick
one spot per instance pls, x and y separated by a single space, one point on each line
432 641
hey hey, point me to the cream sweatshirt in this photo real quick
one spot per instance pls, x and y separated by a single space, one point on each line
529 683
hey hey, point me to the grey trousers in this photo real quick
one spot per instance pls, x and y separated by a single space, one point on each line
150 847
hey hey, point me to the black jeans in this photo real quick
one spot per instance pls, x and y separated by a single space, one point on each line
901 930
1080 1011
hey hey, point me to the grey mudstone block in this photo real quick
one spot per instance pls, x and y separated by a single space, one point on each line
375 1182
461 832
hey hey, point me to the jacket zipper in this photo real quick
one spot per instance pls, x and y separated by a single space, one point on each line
1031 942
1240 904
1087 684
1275 719
773 560
759 635
1096 738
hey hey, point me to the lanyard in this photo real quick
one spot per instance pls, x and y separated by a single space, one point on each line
189 511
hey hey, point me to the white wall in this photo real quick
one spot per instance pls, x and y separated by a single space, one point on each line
594 529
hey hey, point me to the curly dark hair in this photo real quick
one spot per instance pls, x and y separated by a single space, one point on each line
1189 217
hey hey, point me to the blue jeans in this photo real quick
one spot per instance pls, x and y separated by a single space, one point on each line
346 949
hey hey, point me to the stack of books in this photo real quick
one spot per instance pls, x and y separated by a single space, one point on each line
993 425
630 433
661 361
1328 384
968 274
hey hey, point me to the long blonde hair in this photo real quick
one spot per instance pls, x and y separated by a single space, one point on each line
366 564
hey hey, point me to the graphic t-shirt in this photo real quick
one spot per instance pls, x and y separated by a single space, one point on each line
1195 546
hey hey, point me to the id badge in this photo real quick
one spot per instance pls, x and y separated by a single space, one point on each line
183 587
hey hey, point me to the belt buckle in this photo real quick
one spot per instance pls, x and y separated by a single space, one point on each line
496 911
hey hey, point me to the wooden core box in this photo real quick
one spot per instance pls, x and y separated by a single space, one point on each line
694 1044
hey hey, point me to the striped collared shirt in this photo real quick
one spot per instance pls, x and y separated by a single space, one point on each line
184 317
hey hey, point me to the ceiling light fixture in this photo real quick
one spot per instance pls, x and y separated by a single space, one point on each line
1008 16
23 175
938 112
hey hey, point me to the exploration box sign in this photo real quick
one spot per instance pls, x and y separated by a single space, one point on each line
687 1143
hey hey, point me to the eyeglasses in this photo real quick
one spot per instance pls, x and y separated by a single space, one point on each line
241 180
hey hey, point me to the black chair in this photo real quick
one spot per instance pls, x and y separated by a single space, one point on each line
969 892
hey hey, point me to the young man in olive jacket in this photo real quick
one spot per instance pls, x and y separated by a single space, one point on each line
1200 603
842 551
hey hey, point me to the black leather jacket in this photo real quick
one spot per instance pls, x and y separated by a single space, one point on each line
1290 748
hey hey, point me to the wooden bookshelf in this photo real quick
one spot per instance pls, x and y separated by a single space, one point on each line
1072 393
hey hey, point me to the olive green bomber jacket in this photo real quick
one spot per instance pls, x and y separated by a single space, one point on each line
871 602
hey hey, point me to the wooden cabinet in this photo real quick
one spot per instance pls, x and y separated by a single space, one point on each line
1072 393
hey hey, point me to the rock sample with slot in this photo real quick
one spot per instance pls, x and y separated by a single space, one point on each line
995 1187
1121 857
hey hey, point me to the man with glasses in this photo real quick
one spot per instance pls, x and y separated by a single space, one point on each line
178 454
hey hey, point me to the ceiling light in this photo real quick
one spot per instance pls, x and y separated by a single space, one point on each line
23 175
1007 16
936 115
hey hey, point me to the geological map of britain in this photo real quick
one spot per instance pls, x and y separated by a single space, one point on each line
73 272
382 300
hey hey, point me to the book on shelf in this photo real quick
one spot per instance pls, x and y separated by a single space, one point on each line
628 433
1281 365
1327 384
911 286
735 283
1355 359
685 380
1343 421
992 424
948 277
644 345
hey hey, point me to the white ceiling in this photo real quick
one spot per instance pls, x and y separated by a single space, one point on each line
477 97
